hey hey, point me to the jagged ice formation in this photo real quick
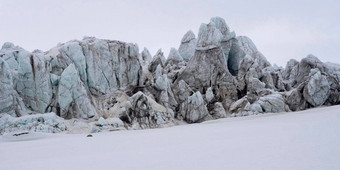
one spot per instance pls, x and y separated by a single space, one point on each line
104 85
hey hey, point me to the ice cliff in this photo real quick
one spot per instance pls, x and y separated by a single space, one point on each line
110 85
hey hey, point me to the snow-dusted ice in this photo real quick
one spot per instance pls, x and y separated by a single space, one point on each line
305 140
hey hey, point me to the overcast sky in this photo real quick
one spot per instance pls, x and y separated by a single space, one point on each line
281 30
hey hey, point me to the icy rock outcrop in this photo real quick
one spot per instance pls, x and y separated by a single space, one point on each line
239 105
146 56
208 66
162 82
273 79
317 89
104 66
30 79
273 103
209 37
218 111
47 123
166 97
188 45
72 52
305 67
248 71
333 69
226 41
221 25
183 91
243 47
72 96
254 72
270 102
9 53
235 56
291 70
101 122
33 84
110 124
111 65
334 91
10 102
158 59
143 112
216 75
316 82
174 64
7 45
295 100
247 45
209 95
174 57
194 109
158 72
255 85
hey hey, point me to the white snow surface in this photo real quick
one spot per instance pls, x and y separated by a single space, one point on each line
299 140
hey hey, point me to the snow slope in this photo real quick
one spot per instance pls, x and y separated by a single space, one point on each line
301 140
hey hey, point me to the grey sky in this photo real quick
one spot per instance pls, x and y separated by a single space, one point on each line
280 29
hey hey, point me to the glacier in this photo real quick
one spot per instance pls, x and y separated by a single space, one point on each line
95 85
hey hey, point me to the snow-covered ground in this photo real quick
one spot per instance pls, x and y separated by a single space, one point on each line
300 140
